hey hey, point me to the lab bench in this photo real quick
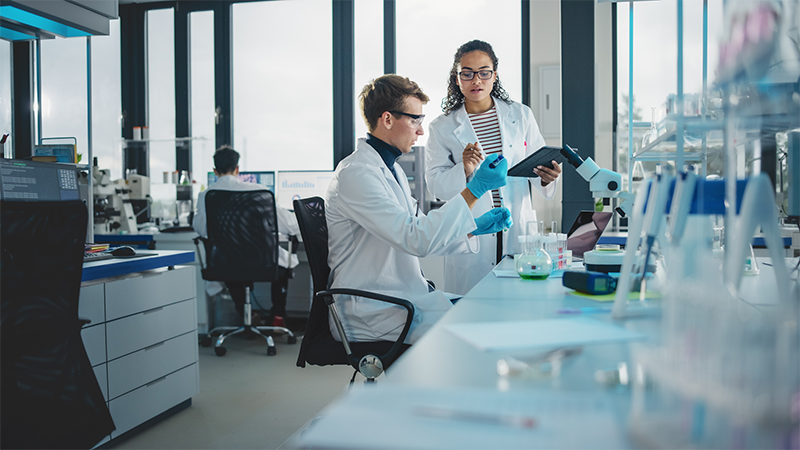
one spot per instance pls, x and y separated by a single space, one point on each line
298 301
142 336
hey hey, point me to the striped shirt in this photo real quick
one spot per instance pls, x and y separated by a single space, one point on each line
487 128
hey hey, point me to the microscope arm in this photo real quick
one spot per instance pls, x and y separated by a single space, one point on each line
603 183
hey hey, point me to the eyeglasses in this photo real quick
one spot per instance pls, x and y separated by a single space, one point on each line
467 75
416 119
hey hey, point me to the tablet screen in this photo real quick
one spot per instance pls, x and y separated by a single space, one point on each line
541 157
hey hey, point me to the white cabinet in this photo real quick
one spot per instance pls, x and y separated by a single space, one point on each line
550 101
142 342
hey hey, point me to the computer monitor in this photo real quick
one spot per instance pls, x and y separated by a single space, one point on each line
586 231
295 185
33 181
266 179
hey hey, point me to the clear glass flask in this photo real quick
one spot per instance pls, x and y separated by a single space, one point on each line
652 133
534 263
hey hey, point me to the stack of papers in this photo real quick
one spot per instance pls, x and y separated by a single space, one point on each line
92 247
387 416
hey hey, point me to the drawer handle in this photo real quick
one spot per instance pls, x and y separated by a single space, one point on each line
156 381
153 311
154 346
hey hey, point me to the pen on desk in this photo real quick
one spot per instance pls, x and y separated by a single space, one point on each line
585 309
514 420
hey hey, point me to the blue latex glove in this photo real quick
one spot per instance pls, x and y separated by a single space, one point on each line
487 177
496 219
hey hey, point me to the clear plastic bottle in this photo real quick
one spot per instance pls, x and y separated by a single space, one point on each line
534 263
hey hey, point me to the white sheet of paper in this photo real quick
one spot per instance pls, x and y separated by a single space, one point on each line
540 333
500 273
388 416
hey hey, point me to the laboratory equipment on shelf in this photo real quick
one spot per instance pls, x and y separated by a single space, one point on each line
113 211
603 183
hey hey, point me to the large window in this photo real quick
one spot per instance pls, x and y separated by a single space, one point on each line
106 101
63 103
368 52
201 25
282 102
655 73
161 92
5 94
430 32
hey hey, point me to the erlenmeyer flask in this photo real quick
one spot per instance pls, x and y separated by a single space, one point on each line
534 263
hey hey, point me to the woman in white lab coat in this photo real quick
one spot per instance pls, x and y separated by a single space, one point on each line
476 100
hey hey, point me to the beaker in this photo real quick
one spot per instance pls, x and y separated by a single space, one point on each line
534 263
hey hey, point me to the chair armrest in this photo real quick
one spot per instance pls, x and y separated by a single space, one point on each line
327 295
196 241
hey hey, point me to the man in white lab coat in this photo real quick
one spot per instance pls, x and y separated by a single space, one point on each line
226 167
377 231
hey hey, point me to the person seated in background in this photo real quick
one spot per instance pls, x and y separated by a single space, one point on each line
226 167
377 230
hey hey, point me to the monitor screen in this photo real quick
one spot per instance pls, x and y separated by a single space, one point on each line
586 231
266 179
296 185
32 181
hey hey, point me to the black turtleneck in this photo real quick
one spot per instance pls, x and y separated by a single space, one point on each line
388 153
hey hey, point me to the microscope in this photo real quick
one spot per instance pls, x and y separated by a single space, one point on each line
603 183
113 210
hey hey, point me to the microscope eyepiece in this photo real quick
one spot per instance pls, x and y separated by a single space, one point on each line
572 157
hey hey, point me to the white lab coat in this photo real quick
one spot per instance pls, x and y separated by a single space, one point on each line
444 176
375 236
287 222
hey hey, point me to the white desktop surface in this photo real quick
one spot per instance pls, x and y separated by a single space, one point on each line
440 359
441 362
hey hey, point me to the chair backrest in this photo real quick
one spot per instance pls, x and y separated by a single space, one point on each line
50 395
310 214
242 243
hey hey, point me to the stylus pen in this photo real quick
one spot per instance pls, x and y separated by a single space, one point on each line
514 420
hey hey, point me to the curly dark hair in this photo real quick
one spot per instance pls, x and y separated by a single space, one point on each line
455 98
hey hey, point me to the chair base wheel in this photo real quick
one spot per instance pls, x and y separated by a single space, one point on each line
272 351
292 340
220 351
206 341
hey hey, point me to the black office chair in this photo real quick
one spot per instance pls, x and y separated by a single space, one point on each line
318 346
242 247
50 397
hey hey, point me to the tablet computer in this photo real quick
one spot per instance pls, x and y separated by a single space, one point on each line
541 157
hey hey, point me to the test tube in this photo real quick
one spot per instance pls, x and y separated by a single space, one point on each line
562 247
554 226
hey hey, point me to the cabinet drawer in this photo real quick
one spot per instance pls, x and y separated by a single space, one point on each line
148 401
94 341
136 332
150 290
91 304
131 371
102 379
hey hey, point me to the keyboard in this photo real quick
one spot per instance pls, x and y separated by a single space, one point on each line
97 256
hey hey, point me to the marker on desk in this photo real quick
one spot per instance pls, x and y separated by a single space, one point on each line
514 420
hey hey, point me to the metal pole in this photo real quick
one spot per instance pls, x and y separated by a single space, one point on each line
39 91
90 202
